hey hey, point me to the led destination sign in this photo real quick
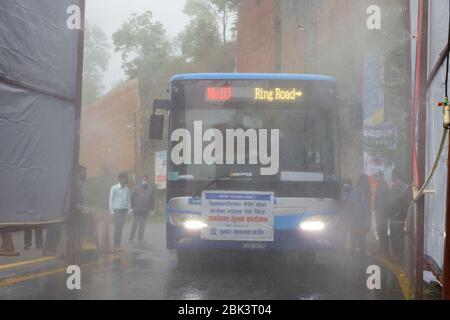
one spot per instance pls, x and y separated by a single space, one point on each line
218 94
257 94
277 94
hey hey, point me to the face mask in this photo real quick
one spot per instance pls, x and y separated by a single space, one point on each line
144 183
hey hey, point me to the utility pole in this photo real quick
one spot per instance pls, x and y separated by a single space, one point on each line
420 107
408 170
74 217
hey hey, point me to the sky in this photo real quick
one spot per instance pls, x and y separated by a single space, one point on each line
111 14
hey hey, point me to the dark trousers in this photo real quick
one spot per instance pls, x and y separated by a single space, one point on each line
139 222
38 239
398 238
382 232
120 217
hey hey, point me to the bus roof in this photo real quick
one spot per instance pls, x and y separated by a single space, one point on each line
252 76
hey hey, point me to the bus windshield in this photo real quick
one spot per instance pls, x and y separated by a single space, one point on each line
305 145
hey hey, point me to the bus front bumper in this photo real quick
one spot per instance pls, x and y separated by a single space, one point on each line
284 240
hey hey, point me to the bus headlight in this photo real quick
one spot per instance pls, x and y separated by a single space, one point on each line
188 221
316 223
312 226
195 225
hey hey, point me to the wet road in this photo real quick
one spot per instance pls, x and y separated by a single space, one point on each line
152 272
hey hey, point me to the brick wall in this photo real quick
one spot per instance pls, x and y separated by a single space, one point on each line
320 36
256 37
108 132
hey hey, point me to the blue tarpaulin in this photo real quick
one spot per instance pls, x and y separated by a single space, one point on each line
38 59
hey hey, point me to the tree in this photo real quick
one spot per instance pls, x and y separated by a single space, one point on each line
200 35
144 46
201 43
96 62
224 12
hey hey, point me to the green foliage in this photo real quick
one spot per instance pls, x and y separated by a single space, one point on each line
149 55
204 43
144 47
223 12
96 61
199 36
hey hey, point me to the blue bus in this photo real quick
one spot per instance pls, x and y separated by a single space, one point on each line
253 162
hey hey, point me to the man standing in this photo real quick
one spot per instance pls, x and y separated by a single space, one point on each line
361 219
399 199
381 213
38 238
119 207
142 201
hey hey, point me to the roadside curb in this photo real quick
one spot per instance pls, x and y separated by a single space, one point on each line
26 263
401 275
57 269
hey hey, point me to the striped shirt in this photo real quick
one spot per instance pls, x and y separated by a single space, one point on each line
119 198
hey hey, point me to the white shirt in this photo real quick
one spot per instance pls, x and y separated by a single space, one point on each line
119 198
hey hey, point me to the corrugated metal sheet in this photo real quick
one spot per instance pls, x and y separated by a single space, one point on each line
435 204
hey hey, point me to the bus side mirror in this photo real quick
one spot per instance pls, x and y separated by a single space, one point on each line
156 127
157 120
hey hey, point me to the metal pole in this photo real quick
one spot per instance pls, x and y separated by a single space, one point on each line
136 144
420 96
408 167
446 271
74 218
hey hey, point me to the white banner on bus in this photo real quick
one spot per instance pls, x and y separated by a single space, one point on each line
161 170
238 216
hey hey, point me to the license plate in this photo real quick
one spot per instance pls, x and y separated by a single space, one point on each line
254 246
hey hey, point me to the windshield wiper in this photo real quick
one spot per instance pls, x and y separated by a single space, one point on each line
212 181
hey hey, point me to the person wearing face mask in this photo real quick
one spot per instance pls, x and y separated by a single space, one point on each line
142 201
119 207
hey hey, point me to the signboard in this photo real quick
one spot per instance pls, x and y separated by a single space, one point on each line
274 94
378 141
380 137
161 170
373 96
238 216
